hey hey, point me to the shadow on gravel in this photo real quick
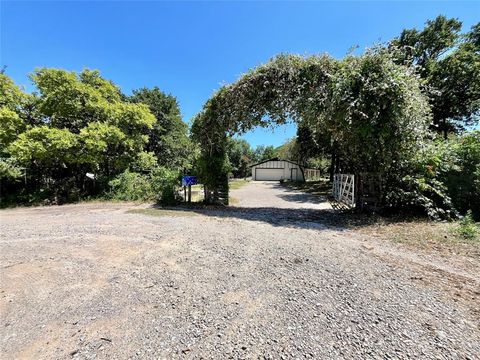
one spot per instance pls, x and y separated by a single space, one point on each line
300 218
302 198
305 195
339 218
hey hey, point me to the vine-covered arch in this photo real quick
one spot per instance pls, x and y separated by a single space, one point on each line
368 97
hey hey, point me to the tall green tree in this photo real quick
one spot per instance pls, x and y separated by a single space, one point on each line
73 124
289 150
240 155
10 127
463 180
263 152
449 63
46 147
315 148
168 138
12 98
92 108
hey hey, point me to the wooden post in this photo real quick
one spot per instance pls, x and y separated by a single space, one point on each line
189 194
185 193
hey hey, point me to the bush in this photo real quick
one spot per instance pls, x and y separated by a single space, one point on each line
467 227
463 180
164 183
422 186
416 193
131 186
160 185
443 179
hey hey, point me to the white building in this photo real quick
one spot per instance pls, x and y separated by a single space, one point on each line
276 169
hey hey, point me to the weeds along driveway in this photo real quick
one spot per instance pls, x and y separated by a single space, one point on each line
126 281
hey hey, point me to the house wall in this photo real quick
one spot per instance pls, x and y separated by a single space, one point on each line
281 164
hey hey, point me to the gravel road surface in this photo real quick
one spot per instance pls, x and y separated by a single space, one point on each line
273 195
264 279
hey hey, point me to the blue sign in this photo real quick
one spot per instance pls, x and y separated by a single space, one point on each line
189 180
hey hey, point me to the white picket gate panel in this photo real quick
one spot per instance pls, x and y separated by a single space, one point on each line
311 174
344 189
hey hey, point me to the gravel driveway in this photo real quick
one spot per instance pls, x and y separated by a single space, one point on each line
272 194
267 279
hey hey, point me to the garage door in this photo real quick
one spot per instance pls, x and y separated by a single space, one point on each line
268 174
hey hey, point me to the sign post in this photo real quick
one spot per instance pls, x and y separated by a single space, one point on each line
188 181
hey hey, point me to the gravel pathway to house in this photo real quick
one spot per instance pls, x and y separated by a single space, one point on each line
271 194
262 280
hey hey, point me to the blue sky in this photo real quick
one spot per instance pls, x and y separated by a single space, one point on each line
190 48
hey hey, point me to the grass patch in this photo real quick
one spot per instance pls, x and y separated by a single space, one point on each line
426 235
237 184
232 200
162 212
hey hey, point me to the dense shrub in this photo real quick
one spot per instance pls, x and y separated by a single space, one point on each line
131 186
423 194
467 227
377 114
164 183
159 185
463 180
442 180
423 188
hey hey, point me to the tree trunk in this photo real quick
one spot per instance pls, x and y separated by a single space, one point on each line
337 163
332 165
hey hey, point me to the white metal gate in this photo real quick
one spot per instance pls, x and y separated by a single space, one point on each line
344 189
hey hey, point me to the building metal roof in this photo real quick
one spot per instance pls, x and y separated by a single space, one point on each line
276 159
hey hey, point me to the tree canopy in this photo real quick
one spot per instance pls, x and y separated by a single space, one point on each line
372 108
168 138
79 123
449 63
